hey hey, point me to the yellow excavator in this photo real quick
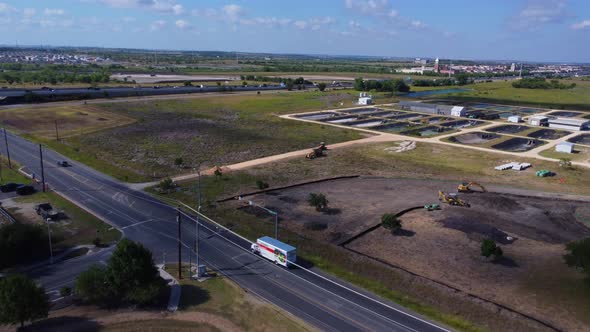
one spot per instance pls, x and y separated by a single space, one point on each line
466 187
451 199
317 152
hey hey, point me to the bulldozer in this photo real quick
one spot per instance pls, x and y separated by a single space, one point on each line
451 199
317 152
466 187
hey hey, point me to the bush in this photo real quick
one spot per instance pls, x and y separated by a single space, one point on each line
322 86
167 185
97 242
489 249
91 286
21 300
22 243
390 221
578 255
565 163
319 201
218 173
261 184
65 291
178 162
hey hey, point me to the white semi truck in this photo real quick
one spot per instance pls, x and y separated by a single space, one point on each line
275 250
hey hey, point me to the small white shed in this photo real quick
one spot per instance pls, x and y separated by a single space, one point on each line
515 118
365 101
565 147
458 111
538 120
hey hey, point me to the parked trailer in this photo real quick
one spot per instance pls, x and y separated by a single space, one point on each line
275 250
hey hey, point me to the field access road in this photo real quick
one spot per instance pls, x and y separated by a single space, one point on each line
313 298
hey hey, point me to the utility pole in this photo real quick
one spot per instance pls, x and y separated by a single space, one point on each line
56 132
49 236
42 170
274 213
7 150
198 228
179 245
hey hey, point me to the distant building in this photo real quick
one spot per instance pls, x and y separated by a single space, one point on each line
515 118
538 120
420 61
565 147
436 68
365 99
513 67
569 124
432 108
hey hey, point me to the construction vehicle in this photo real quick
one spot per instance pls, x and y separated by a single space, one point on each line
451 199
466 187
431 207
317 152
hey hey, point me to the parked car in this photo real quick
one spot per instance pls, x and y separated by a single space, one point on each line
63 163
9 187
25 190
46 211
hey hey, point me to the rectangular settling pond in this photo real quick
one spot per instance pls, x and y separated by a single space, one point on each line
518 144
392 127
508 129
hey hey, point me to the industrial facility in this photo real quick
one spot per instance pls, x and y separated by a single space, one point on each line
451 110
569 124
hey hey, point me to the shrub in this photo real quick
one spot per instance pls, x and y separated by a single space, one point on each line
322 86
319 201
489 249
390 221
261 184
22 243
21 300
178 162
65 291
96 241
167 185
578 255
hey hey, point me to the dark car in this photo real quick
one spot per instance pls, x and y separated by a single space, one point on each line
63 163
9 187
25 190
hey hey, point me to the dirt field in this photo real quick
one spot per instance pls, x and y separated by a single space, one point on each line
147 78
71 120
444 245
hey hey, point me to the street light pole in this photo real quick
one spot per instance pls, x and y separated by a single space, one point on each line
7 150
42 170
274 213
179 245
198 224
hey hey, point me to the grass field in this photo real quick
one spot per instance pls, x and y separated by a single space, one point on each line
427 161
502 92
221 297
581 153
214 130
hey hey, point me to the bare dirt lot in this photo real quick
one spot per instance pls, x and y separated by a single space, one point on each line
445 245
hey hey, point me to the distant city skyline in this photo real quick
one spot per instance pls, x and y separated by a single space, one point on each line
504 30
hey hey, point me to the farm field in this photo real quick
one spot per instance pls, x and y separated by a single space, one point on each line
446 164
502 92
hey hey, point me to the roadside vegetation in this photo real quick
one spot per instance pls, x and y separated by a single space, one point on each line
21 300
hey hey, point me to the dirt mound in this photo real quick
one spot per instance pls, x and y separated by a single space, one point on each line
476 231
496 202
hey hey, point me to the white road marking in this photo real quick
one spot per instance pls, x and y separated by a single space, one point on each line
137 223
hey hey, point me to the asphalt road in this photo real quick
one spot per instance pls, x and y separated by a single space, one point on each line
312 297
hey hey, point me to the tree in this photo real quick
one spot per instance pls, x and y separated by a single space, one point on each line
92 286
289 85
261 184
578 255
21 300
218 173
167 184
22 243
462 79
359 84
400 86
188 83
390 221
322 86
178 162
489 248
319 201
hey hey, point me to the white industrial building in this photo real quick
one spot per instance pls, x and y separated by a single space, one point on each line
565 147
538 120
432 108
515 118
458 111
569 124
365 99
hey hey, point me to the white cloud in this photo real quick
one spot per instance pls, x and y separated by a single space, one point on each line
182 24
207 12
158 25
300 24
581 25
129 19
164 6
28 12
6 8
53 12
232 12
383 10
537 13
367 6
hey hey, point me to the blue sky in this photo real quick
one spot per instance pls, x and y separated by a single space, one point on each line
534 30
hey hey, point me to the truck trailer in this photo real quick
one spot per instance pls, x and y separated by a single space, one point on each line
274 250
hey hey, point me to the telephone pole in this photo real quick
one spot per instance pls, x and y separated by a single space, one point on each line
179 245
56 132
42 170
7 150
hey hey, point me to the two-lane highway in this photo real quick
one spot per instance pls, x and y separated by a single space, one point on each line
315 299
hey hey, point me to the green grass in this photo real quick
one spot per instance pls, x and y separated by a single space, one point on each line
503 93
222 297
582 153
217 130
159 325
11 174
80 227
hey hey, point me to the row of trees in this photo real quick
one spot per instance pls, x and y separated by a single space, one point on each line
396 85
541 83
50 76
21 244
